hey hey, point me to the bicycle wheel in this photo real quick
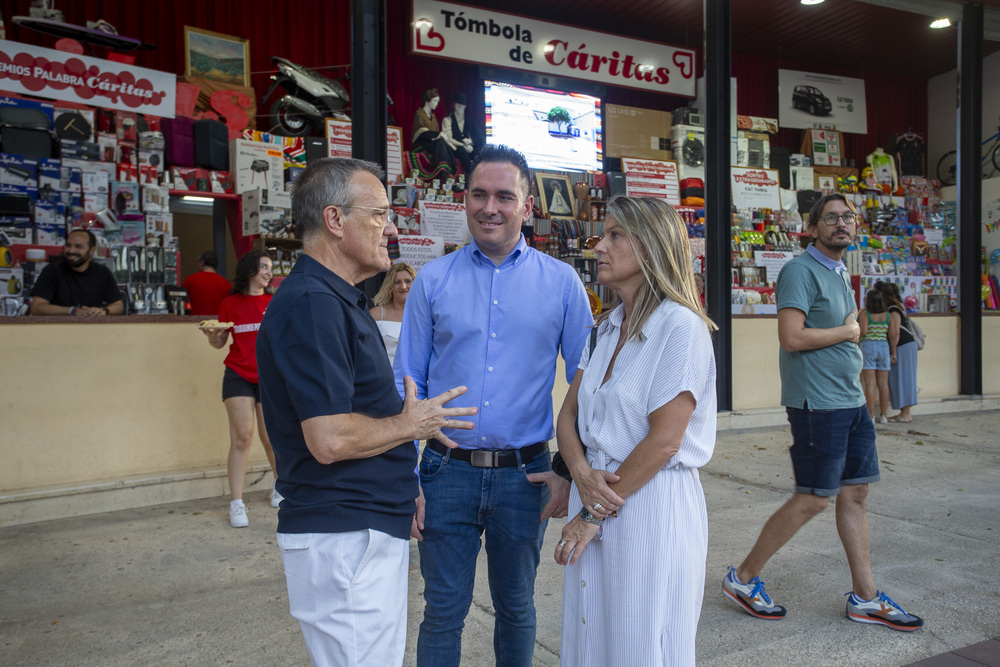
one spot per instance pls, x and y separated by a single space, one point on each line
946 168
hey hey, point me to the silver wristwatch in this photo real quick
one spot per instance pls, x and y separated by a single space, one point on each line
590 518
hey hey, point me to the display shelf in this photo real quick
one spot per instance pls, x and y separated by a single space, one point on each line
198 193
280 239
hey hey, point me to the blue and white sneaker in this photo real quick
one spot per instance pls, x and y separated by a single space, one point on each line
882 610
751 597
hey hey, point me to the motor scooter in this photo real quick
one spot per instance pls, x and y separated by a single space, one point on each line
309 98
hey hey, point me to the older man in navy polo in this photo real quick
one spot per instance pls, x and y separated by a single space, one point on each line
342 436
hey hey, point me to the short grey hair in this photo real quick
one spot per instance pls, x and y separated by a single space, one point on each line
326 182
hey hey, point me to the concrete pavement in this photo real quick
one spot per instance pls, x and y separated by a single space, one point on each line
175 585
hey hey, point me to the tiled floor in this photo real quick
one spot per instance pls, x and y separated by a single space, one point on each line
984 653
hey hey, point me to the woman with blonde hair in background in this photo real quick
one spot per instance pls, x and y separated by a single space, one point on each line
638 421
389 302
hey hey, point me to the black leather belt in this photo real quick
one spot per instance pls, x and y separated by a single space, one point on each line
491 458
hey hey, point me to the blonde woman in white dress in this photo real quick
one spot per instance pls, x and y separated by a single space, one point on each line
644 403
389 302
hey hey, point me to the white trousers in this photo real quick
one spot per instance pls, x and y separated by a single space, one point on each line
348 593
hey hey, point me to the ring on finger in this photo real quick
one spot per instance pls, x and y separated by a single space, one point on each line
562 543
597 507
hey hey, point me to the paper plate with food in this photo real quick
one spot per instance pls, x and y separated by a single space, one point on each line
215 324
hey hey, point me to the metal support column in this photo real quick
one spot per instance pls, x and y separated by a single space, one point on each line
368 82
368 93
970 196
718 219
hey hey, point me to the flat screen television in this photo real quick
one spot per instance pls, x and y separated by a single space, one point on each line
554 129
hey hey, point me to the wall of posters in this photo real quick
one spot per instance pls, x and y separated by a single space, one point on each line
822 101
339 138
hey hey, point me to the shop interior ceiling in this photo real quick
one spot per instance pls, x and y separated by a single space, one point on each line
884 36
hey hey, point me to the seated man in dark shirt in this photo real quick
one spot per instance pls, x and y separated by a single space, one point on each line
75 285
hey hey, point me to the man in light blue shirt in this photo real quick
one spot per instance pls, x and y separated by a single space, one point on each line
496 314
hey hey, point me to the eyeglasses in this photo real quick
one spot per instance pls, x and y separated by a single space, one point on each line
380 214
830 219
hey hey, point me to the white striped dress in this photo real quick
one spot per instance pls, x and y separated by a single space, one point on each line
635 595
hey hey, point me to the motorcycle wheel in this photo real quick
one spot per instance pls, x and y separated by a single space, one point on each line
288 122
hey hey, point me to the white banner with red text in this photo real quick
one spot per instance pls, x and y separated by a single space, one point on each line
461 32
652 178
33 70
755 188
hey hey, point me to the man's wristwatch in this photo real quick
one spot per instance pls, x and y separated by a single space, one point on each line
590 518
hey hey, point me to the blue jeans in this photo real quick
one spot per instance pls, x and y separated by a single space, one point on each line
462 503
831 449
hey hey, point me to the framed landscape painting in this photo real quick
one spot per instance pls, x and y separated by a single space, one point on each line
211 55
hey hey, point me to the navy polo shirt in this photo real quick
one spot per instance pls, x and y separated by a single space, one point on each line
319 352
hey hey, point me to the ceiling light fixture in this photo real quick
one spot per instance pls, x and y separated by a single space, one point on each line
940 23
811 2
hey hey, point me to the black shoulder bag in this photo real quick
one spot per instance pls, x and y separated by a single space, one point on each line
559 466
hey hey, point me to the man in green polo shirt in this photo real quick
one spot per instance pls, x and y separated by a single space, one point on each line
833 451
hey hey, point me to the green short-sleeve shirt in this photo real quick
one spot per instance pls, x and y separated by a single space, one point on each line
827 378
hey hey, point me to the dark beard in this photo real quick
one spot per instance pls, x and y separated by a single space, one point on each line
76 263
837 242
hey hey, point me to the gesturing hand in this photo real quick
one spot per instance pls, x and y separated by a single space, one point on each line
853 328
429 416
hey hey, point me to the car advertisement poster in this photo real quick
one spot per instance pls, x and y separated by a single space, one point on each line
821 101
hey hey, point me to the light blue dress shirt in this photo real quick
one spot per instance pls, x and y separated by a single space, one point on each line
496 330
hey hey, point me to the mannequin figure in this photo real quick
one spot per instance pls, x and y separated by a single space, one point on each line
427 136
884 169
460 132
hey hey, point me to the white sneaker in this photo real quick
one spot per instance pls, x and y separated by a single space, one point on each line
238 514
276 498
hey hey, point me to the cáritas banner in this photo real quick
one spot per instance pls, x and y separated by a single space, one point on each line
57 75
462 32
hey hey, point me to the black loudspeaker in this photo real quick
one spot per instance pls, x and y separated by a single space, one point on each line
315 148
16 205
616 183
806 200
211 145
29 143
779 161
